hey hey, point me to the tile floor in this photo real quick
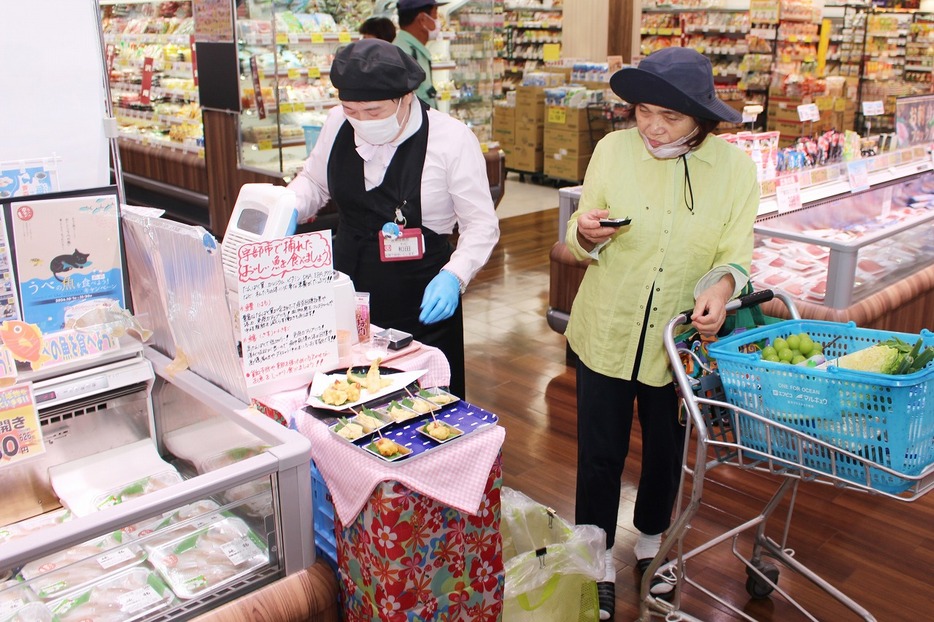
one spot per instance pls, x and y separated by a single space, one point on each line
525 197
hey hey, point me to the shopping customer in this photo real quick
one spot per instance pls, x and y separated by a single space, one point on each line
692 198
378 28
395 167
419 24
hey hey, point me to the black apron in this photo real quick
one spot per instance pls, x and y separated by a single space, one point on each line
396 287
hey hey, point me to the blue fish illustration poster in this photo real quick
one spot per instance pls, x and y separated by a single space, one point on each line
67 250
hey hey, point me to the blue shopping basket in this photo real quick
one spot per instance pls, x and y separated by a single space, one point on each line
887 420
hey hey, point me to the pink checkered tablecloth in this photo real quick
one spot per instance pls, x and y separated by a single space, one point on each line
455 475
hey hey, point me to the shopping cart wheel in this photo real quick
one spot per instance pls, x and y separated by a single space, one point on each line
756 586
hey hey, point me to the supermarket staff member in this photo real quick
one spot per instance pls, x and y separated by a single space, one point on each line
419 24
393 166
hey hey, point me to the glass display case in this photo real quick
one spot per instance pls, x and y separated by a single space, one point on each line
152 73
159 497
285 93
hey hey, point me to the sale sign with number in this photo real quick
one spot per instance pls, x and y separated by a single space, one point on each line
20 434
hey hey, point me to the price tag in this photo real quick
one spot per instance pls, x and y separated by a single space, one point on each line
873 108
240 550
145 89
294 74
298 106
264 144
551 52
257 89
484 148
751 113
314 72
557 114
194 60
858 174
282 38
788 193
20 434
285 108
343 37
808 112
886 201
445 95
114 558
317 37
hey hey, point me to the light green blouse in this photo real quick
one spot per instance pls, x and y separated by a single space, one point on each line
414 48
663 253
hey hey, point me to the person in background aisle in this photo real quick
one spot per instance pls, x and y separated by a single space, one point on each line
419 24
692 199
393 166
378 28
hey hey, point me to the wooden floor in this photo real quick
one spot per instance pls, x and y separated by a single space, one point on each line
878 550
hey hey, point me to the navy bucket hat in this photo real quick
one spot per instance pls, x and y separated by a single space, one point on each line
676 78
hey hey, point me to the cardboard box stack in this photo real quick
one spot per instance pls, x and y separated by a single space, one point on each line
571 132
520 128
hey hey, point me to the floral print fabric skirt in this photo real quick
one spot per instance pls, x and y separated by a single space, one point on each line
406 558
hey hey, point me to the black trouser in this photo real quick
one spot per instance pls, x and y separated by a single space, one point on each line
604 422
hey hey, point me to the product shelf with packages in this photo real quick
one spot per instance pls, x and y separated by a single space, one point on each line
826 419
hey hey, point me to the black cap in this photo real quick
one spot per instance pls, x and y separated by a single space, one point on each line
374 70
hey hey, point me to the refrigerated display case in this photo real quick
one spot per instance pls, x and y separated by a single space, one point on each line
203 530
285 58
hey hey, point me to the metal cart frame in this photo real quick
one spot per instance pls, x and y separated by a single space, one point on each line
720 442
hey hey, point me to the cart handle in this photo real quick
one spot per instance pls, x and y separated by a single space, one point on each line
750 300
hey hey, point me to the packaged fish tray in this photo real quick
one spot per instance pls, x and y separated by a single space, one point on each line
209 558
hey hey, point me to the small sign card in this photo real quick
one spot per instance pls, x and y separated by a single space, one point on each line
20 434
873 108
788 193
288 320
808 112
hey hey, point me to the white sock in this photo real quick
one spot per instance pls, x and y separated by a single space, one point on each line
647 546
609 575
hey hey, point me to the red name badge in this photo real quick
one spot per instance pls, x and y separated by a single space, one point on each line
408 246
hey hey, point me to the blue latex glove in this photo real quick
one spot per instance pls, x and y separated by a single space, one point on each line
441 298
293 223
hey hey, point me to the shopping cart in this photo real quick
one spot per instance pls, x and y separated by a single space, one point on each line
823 426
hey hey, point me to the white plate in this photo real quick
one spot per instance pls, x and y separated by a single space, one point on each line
323 381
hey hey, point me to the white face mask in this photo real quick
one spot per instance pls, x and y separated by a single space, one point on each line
670 150
434 32
378 131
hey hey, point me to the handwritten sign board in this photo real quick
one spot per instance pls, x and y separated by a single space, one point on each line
20 434
288 321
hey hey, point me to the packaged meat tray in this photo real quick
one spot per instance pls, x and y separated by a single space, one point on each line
110 477
24 528
14 595
122 597
33 612
209 558
64 572
174 525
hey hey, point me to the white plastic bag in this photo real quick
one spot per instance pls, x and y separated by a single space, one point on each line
551 566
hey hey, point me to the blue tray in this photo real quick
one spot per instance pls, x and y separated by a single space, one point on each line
461 415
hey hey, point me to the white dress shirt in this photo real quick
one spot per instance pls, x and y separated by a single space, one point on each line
455 187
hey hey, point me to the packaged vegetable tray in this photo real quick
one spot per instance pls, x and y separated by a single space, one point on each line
886 419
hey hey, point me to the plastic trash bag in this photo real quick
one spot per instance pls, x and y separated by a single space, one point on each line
551 566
